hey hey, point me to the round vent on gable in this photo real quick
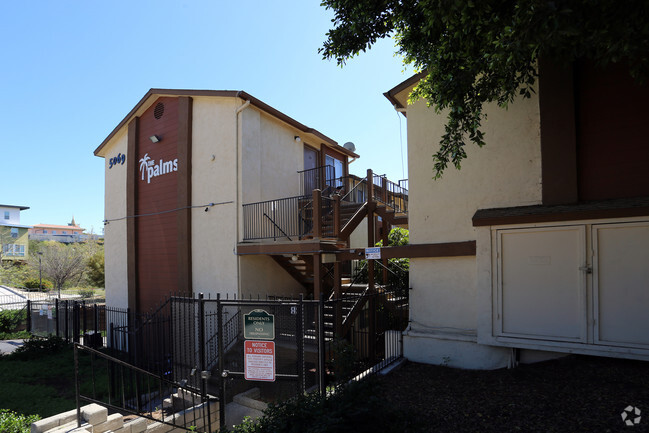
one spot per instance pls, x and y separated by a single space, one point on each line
159 110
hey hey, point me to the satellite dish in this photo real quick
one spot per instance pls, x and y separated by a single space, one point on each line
350 146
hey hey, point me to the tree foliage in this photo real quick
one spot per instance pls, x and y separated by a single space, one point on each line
481 51
60 262
96 273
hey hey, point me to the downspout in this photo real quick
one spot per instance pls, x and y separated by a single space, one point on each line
239 142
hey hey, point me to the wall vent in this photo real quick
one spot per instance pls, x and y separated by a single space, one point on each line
159 110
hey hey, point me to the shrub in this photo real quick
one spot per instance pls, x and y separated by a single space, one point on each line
11 320
37 346
354 408
86 293
12 422
34 283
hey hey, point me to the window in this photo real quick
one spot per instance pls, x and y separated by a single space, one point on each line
6 214
337 172
14 232
44 232
12 250
64 232
53 232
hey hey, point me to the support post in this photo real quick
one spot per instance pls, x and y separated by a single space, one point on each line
29 316
337 222
223 374
56 310
317 213
300 345
385 231
317 276
321 347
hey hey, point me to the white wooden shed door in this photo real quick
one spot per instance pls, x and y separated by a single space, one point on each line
582 284
542 290
621 284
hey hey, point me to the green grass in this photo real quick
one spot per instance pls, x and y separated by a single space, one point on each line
40 380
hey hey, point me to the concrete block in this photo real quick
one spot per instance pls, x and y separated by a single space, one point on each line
72 427
44 424
138 425
158 428
113 422
94 414
68 416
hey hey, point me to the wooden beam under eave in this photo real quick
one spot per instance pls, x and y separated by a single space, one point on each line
304 247
446 249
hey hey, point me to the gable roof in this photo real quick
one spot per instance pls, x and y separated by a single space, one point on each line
15 207
224 93
393 94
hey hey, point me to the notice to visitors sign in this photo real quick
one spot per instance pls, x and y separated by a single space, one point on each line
258 325
259 360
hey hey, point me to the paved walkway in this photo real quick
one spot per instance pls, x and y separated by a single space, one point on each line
8 346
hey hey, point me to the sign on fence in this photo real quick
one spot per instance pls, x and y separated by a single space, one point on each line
258 324
373 253
259 360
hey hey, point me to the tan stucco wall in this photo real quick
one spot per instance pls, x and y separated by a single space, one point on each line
506 172
115 243
270 158
214 174
260 275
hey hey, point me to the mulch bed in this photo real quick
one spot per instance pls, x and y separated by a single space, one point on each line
571 394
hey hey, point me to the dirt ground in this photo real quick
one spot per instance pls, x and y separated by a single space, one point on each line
571 394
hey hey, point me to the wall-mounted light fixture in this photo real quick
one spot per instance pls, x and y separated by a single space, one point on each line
294 258
297 139
154 139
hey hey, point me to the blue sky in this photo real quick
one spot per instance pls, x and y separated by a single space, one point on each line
73 69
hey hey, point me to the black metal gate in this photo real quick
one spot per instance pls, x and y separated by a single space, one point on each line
203 344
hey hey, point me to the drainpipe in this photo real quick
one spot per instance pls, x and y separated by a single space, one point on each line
239 141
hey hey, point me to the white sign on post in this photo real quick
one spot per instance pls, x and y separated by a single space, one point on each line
373 253
259 360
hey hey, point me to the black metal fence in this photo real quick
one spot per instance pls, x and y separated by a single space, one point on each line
125 388
74 320
201 343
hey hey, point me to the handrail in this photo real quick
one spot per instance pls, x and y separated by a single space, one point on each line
276 226
361 182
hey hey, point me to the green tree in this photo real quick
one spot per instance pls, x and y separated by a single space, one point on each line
398 268
95 269
61 263
475 52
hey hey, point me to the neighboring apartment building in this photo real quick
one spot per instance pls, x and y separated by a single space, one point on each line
66 234
13 235
211 191
557 206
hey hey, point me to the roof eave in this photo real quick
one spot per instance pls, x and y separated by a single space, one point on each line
392 93
223 93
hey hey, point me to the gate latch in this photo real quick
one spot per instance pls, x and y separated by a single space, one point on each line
587 269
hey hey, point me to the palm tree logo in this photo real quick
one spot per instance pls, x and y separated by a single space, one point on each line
144 163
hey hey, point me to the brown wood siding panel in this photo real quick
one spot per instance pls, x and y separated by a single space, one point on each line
184 195
558 136
613 145
156 225
131 199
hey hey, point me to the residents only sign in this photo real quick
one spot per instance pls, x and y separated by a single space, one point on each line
259 357
258 325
